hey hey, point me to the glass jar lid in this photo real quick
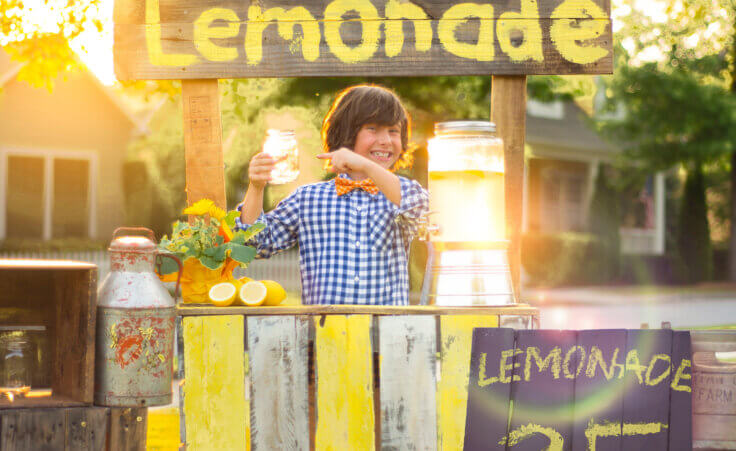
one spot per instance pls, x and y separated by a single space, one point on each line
464 126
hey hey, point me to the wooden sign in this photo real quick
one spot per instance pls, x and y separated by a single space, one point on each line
184 39
579 390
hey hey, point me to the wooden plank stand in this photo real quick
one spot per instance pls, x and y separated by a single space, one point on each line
200 41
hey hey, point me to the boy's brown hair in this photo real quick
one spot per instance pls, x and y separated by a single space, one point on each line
365 104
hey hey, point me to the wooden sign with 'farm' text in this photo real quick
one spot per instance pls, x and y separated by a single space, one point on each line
185 39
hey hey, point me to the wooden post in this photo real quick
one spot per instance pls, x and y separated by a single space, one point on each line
205 166
508 111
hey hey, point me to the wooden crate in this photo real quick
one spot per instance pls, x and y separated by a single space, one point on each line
329 377
62 297
73 429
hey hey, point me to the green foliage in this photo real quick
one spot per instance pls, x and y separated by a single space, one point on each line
563 259
693 240
202 240
605 221
44 49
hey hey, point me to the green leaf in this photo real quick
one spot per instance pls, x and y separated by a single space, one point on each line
210 263
229 219
168 266
241 254
253 231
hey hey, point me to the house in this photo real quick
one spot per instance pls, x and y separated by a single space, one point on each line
61 157
563 155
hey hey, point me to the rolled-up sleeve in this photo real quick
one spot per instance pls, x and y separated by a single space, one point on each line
282 227
414 205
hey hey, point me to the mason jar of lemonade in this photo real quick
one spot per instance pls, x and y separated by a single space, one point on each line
466 182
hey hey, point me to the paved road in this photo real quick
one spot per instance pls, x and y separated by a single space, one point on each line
600 308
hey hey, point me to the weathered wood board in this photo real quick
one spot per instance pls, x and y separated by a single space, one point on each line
541 388
680 426
214 387
73 429
408 350
456 336
344 382
169 39
598 394
277 351
488 407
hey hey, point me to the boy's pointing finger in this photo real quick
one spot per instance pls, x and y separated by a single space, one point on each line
324 156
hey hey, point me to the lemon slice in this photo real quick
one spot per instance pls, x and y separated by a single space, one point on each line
222 294
275 292
253 293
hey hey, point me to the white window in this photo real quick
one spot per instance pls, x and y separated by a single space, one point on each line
562 195
47 194
546 110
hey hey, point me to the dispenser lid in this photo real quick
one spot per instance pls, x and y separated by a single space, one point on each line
465 126
132 243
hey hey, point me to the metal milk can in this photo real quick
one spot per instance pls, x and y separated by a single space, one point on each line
135 325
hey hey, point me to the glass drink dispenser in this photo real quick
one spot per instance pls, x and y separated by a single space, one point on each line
466 197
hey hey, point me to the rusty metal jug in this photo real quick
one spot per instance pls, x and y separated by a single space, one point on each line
135 325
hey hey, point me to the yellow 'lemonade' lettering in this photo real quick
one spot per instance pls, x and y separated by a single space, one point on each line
568 34
633 364
458 14
258 20
680 376
156 54
371 30
596 359
484 380
203 32
527 22
397 10
648 377
553 360
505 366
568 357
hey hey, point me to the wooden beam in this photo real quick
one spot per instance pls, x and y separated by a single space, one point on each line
205 166
508 111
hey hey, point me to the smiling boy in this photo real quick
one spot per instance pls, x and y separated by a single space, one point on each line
353 231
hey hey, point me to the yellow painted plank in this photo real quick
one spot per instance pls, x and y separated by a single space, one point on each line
215 412
344 370
456 335
163 429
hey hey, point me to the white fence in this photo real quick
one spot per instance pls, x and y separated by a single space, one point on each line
283 268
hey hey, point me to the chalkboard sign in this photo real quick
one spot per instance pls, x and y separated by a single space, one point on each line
579 390
184 39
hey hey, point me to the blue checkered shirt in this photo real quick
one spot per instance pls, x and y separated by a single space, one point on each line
353 249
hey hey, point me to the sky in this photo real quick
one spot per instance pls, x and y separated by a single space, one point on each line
95 48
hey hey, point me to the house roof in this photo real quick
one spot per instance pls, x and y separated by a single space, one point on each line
9 69
568 136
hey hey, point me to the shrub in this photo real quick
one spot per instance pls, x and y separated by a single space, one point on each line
563 259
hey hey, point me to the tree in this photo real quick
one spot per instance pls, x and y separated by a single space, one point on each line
676 80
693 243
38 34
605 221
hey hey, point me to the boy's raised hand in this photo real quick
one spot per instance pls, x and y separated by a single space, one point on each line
345 160
260 167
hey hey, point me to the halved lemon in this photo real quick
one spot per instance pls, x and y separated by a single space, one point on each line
275 292
222 294
253 293
238 284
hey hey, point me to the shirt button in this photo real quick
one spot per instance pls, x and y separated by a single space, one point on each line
357 278
357 244
358 208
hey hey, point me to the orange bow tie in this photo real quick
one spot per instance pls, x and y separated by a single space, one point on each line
344 185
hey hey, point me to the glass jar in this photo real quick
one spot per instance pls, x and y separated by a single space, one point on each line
280 144
16 364
466 182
